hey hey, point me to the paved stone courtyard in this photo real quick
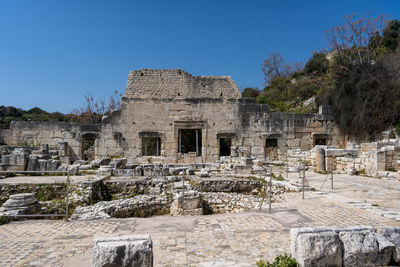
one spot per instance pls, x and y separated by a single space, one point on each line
213 240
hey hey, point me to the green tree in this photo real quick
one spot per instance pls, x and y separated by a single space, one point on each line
391 35
317 64
250 92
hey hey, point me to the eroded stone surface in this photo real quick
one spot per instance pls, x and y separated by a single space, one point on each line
123 251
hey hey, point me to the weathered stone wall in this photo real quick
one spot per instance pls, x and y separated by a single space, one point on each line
231 203
22 133
245 122
372 159
178 84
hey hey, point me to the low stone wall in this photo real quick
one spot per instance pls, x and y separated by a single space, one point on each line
350 246
232 203
226 185
138 206
35 133
371 159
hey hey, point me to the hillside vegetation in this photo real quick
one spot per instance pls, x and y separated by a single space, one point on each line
91 112
359 75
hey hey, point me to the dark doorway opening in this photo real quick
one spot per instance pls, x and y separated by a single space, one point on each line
88 146
271 148
225 146
320 142
271 142
151 146
190 141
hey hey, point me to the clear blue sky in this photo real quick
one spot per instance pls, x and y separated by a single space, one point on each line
53 52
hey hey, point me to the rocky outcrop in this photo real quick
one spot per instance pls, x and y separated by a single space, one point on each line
123 251
351 246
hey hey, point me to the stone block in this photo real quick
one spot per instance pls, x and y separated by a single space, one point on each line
44 148
204 172
73 169
393 235
257 150
189 171
123 251
65 160
157 171
105 171
32 162
362 246
100 161
242 169
165 170
138 171
316 247
42 164
20 200
21 204
148 171
177 170
119 163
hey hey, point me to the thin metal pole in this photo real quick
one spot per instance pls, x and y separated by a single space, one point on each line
287 164
270 191
183 194
331 177
66 215
304 176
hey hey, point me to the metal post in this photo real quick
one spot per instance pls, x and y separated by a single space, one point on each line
145 147
183 194
304 176
331 177
66 213
287 164
270 190
197 142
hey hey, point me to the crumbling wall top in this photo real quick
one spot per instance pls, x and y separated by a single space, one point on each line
178 84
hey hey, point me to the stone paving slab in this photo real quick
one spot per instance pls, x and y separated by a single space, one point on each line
216 240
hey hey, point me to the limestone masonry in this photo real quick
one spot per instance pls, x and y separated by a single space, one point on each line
171 116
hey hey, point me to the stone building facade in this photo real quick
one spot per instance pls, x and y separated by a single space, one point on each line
74 136
172 116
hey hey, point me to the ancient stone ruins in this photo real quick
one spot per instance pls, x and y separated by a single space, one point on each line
190 145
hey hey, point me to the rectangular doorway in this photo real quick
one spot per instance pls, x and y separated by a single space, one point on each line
271 148
225 147
190 141
320 142
151 146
